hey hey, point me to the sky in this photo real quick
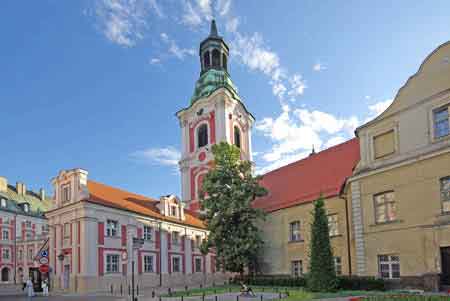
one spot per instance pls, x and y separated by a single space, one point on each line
96 84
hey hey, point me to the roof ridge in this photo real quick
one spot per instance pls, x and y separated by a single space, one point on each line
327 150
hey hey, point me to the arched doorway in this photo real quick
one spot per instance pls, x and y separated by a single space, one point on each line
5 274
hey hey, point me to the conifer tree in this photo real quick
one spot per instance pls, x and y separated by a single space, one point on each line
322 274
228 192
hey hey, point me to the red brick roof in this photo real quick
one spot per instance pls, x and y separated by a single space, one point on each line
120 199
305 180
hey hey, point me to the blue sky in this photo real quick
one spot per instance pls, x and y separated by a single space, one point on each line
95 84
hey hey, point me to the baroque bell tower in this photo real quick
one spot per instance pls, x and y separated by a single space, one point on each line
216 113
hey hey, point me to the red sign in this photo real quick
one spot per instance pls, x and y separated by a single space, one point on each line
44 268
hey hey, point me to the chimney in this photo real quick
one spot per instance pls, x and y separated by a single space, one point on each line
21 188
3 184
42 194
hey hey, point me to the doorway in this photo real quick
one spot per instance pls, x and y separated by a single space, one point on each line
445 266
5 274
66 276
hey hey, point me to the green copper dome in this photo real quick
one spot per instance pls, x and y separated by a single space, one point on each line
212 80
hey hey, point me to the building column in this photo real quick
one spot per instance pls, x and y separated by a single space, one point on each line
358 229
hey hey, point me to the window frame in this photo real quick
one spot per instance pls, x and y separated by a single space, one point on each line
434 111
443 199
178 258
336 222
109 231
390 263
147 233
375 206
237 136
109 266
379 134
175 238
149 264
298 238
7 234
296 265
201 126
337 260
66 193
198 269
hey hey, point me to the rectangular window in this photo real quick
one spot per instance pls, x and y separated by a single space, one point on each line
175 238
176 264
333 225
198 265
65 193
112 263
5 234
385 208
66 231
5 254
111 228
30 255
173 211
28 224
20 256
441 122
3 202
198 241
148 233
384 144
445 194
338 265
148 264
389 266
294 231
296 268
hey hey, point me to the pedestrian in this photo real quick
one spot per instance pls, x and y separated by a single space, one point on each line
45 287
29 289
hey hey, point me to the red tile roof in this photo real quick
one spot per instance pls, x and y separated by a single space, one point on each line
305 180
120 199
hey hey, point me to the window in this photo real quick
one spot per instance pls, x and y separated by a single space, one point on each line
384 144
224 61
176 264
28 235
385 208
294 231
111 228
206 60
173 210
175 237
28 224
5 254
148 233
338 265
26 207
333 225
215 58
441 123
198 264
237 137
202 135
445 194
20 256
198 241
3 203
65 193
66 231
296 268
112 263
5 234
389 266
148 264
30 255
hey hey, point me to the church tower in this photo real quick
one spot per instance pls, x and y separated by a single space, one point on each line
216 113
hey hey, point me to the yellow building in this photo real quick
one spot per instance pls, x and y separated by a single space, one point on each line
400 190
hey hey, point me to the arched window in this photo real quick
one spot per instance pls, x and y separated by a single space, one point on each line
206 61
224 61
5 274
237 137
202 135
215 58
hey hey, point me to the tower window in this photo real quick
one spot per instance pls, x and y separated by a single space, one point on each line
206 61
202 135
224 61
237 137
216 58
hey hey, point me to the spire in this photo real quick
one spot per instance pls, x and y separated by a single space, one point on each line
213 31
313 151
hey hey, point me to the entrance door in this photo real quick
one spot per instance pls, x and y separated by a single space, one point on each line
445 265
66 276
5 274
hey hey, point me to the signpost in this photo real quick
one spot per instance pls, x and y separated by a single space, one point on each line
137 243
44 268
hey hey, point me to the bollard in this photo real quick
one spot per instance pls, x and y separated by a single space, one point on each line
186 288
237 297
137 290
121 289
279 295
261 297
215 298
112 290
153 294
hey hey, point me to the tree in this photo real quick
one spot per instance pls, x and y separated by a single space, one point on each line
227 195
322 274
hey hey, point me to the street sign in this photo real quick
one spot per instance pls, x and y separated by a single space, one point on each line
43 260
44 253
44 268
137 242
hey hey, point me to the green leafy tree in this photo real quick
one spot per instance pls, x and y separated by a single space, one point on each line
227 195
322 274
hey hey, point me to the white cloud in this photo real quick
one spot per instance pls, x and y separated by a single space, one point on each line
124 22
319 67
167 156
196 11
321 121
176 50
298 85
223 7
334 141
379 107
231 25
155 61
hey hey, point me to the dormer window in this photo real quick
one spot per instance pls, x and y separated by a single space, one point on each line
65 193
3 203
202 135
173 211
237 137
